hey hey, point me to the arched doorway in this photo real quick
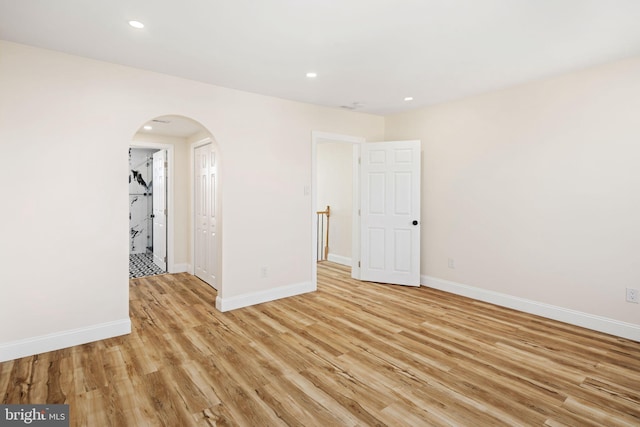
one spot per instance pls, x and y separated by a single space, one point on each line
174 136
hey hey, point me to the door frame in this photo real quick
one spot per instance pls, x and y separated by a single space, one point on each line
159 199
318 137
171 268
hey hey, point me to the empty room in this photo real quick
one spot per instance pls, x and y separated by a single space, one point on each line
354 213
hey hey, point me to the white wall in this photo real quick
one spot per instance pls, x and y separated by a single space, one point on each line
70 120
334 188
534 191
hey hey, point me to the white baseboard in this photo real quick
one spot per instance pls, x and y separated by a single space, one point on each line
590 321
181 268
245 300
339 259
59 340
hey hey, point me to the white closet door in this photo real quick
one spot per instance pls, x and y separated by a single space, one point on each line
206 256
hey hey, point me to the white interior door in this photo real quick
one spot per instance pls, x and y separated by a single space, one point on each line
390 212
160 209
206 256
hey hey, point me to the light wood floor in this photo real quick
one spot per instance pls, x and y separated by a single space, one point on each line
350 354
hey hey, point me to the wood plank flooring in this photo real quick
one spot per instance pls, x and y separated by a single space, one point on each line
353 353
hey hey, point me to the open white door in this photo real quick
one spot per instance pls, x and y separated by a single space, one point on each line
390 212
160 209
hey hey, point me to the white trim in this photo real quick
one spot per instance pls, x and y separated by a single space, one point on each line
56 341
171 268
590 321
339 259
318 137
245 300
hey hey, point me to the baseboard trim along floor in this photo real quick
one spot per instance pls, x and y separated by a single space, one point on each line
573 317
64 339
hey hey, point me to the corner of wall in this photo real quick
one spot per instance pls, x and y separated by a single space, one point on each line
253 298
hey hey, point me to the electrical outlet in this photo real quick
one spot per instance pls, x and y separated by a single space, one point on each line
263 272
451 263
632 295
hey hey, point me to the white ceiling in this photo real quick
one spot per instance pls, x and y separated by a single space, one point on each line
373 52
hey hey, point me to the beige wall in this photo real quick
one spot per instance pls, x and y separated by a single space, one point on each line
65 126
335 188
534 191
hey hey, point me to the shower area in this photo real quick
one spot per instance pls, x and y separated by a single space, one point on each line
141 214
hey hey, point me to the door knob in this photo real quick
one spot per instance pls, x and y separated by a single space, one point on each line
415 222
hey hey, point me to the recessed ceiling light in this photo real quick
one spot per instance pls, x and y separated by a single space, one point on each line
136 24
312 75
147 127
408 98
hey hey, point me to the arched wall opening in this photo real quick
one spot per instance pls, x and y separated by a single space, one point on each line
179 137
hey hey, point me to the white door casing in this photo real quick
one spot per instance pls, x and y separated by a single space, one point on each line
390 212
206 256
159 199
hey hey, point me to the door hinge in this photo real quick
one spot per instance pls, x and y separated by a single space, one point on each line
358 263
165 259
358 212
165 212
166 164
359 160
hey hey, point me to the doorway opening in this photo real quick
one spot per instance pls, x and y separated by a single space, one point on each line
385 199
335 183
147 212
163 147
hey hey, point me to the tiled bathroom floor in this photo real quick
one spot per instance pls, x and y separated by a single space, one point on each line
141 265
